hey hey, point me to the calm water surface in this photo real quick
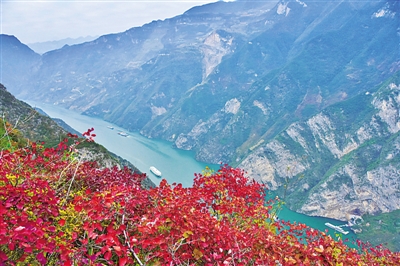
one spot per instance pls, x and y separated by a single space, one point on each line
176 165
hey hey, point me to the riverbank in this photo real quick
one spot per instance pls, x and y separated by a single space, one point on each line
316 222
177 166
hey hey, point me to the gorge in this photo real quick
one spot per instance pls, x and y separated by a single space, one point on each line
302 95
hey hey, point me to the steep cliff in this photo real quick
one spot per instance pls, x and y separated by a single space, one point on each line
273 63
344 160
303 95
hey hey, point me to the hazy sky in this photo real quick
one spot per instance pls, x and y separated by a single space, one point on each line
37 21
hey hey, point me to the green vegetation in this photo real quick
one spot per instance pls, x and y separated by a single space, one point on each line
388 226
10 138
23 125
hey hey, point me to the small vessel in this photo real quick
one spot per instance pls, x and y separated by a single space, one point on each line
337 228
123 134
110 127
155 171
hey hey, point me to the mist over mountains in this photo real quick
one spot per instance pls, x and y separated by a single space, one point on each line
302 95
43 47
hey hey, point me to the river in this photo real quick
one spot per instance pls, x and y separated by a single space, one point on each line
176 165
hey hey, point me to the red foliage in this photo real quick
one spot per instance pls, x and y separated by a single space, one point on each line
55 209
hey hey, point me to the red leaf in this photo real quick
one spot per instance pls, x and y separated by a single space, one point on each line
108 255
11 246
122 261
67 263
61 222
52 228
3 256
42 259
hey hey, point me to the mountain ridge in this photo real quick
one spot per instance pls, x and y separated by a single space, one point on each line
43 47
237 81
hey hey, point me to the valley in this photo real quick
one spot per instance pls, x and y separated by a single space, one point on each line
303 96
177 166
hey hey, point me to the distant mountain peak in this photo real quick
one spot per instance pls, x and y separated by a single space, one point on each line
278 87
43 47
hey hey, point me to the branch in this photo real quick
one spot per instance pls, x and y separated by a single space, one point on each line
129 244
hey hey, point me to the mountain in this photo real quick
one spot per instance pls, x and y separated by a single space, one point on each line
43 47
302 94
37 127
18 62
29 122
343 160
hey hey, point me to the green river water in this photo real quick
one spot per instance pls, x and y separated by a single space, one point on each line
176 165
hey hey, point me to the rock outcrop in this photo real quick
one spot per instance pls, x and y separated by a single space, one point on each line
293 92
362 176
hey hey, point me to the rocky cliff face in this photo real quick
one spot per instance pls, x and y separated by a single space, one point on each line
360 158
286 89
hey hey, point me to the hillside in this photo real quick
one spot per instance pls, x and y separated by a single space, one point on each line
242 71
304 96
342 160
58 210
23 117
36 127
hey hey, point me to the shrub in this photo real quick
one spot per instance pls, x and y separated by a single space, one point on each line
57 209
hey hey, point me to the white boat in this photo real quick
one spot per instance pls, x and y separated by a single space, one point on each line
337 228
110 127
155 171
123 134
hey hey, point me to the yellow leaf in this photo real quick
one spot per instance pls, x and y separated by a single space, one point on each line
291 260
187 234
197 254
320 249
